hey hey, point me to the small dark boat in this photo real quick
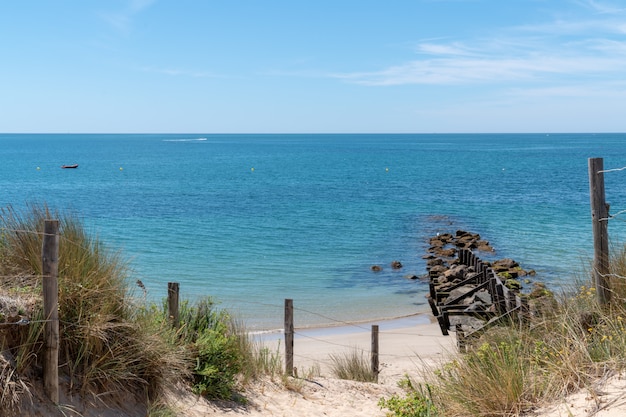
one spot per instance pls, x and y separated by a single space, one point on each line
69 166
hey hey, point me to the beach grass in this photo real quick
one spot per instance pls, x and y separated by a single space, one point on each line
112 343
352 365
571 343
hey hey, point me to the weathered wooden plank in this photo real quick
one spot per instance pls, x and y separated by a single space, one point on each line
467 294
50 269
599 221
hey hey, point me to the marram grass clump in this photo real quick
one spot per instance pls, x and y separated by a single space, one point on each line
112 344
512 370
107 344
352 365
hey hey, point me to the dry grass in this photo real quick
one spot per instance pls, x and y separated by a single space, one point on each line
107 343
352 365
512 370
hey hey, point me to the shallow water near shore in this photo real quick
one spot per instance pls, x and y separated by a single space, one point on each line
253 219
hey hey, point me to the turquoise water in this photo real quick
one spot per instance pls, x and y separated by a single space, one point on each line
254 219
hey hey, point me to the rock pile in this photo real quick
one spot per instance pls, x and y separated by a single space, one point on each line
444 268
469 292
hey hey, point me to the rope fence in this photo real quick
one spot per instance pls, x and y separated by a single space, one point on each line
290 332
51 237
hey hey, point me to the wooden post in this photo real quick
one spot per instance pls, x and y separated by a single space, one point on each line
50 270
524 312
375 366
289 337
460 339
599 219
500 299
172 303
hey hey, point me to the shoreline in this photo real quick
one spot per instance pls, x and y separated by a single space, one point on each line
419 317
406 344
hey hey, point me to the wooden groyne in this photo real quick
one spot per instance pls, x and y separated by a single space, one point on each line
468 294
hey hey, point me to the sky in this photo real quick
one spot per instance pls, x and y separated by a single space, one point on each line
318 66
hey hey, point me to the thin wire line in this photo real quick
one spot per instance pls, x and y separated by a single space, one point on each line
332 319
329 343
20 276
611 170
617 214
25 322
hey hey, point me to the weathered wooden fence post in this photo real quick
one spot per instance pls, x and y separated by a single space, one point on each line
289 337
375 361
50 269
600 220
172 303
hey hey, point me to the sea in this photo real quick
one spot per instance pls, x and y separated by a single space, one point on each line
251 220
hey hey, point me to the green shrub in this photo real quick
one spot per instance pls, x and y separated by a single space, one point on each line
208 333
416 403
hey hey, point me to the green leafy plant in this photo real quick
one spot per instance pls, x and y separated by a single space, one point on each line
208 332
416 403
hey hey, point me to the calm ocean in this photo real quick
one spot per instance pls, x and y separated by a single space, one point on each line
253 219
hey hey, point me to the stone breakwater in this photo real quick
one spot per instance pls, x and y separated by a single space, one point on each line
444 267
470 294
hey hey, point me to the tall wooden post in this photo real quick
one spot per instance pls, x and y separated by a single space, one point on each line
289 337
172 303
599 218
50 269
375 367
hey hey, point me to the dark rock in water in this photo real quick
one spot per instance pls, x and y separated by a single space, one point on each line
446 253
513 284
540 290
436 270
376 268
396 264
506 263
437 243
445 237
433 262
484 246
412 277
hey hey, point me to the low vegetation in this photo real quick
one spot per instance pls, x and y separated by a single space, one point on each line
114 343
111 341
352 365
509 371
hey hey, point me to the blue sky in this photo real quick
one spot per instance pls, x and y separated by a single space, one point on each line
345 66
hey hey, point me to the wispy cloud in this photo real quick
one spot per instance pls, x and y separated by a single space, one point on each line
603 7
575 48
455 49
122 19
492 69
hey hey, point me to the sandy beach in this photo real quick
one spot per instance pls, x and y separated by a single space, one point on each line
406 346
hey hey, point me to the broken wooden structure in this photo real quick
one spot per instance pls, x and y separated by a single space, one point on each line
471 297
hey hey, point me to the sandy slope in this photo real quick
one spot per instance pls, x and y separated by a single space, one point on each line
406 346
